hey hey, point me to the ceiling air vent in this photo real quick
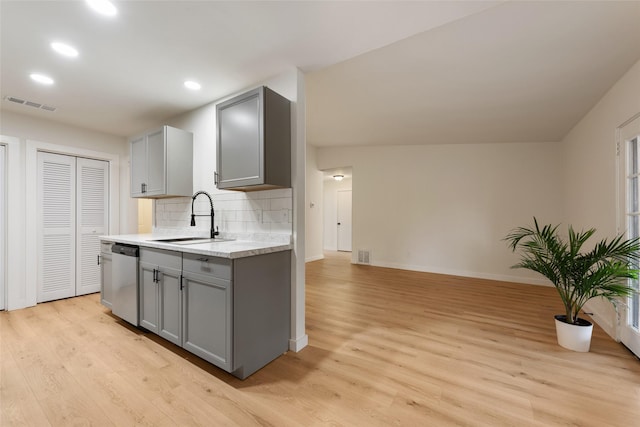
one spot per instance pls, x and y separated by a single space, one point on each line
30 103
14 99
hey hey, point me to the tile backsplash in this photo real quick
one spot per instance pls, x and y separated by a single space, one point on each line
236 214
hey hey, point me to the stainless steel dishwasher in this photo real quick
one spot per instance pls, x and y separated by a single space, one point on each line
125 282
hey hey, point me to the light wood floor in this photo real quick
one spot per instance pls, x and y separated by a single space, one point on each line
386 348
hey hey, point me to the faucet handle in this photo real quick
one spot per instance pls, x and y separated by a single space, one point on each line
216 233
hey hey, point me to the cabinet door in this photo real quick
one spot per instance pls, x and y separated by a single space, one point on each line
138 159
170 304
207 327
240 160
149 297
156 163
106 290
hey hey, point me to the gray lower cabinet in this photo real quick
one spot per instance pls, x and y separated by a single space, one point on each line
106 289
207 304
169 282
261 310
234 314
160 293
149 296
208 324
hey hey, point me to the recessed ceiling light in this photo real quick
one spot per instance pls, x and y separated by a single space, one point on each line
338 177
41 78
190 84
104 7
64 49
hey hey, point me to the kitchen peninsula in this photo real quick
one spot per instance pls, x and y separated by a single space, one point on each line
226 301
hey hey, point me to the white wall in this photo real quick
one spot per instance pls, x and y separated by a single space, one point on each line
589 166
27 134
202 122
236 213
446 208
331 188
314 208
24 136
3 224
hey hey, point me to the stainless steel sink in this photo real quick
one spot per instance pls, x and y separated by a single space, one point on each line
191 240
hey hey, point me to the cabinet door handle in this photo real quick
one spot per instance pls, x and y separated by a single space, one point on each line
215 178
98 259
143 187
203 259
155 276
181 276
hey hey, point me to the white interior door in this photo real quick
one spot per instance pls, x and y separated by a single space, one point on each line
344 220
3 228
92 221
629 149
56 226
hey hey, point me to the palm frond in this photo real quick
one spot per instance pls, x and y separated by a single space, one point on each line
605 271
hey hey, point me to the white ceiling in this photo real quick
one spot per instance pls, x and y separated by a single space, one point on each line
378 72
519 72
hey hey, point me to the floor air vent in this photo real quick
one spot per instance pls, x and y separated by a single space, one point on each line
363 256
31 104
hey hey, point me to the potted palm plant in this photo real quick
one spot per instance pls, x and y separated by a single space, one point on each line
609 270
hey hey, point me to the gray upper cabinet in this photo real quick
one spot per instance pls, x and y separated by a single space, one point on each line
254 141
162 163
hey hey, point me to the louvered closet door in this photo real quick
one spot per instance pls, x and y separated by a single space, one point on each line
56 228
92 221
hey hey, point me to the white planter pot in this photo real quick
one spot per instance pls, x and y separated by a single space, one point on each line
574 337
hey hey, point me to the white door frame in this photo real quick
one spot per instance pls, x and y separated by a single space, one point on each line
15 258
626 132
31 164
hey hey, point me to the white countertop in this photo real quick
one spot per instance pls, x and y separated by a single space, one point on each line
229 249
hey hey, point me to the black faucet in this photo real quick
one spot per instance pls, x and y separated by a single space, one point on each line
193 216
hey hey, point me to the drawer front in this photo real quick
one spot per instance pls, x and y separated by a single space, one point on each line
161 257
207 264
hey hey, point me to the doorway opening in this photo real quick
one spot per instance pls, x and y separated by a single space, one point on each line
337 202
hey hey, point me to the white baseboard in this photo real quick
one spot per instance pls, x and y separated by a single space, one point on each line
462 273
299 343
314 258
603 320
